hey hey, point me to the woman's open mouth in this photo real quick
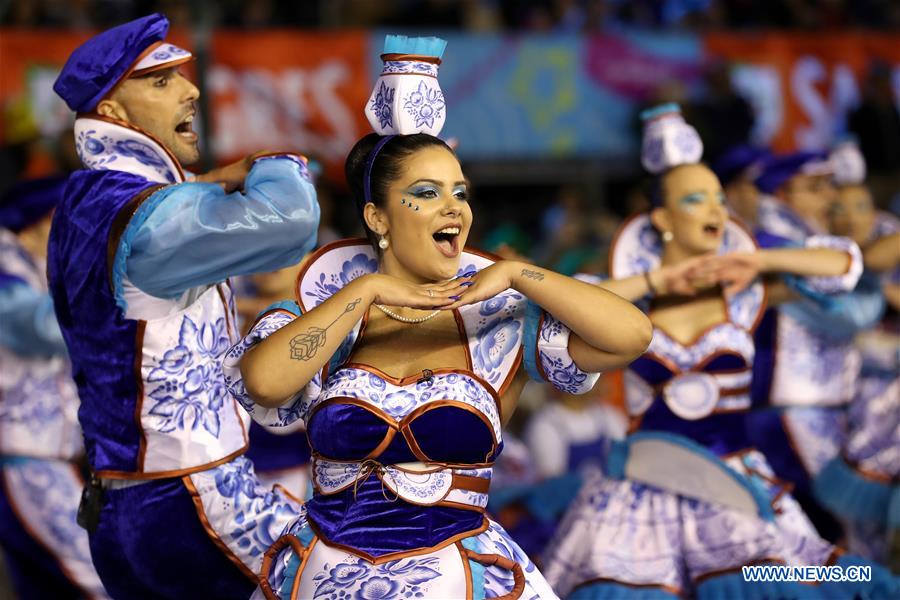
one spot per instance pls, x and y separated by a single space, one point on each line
712 229
447 240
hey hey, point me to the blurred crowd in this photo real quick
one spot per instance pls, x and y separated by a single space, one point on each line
478 15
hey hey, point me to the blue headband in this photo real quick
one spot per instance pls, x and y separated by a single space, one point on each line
367 182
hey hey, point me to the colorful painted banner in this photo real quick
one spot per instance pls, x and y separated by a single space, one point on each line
527 96
802 86
532 96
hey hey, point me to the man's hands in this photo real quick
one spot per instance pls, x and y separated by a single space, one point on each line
230 177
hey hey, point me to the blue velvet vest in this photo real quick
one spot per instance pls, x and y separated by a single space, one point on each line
102 342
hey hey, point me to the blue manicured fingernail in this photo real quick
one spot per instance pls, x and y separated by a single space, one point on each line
454 297
469 274
467 283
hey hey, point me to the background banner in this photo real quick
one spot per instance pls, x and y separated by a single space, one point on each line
523 96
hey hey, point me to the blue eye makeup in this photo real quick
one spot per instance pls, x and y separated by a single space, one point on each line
721 198
692 200
461 193
424 192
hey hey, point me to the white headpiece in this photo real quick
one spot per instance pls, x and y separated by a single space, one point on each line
848 164
668 140
407 97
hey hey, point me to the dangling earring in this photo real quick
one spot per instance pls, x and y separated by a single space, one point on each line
668 236
383 243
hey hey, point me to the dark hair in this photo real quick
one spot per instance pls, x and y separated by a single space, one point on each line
386 168
655 187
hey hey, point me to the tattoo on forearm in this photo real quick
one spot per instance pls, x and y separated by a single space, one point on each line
305 345
536 275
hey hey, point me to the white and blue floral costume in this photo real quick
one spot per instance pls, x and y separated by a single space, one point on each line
422 470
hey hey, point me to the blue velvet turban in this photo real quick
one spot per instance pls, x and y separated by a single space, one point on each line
779 169
96 66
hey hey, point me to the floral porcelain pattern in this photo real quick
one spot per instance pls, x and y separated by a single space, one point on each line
247 516
107 146
382 105
425 104
418 487
185 384
394 67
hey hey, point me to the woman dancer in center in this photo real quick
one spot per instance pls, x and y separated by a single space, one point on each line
408 356
687 501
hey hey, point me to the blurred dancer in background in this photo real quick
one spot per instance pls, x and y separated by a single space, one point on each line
40 440
687 500
860 485
806 364
138 260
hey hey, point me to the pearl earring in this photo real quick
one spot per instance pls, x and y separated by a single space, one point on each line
383 243
668 236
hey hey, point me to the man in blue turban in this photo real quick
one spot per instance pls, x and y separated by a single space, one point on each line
40 481
138 262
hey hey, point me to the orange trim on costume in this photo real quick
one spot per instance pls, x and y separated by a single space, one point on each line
280 544
142 476
495 560
139 378
161 66
201 514
870 475
397 56
398 555
132 72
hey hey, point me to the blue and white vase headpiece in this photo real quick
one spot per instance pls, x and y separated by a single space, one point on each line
668 140
407 98
848 163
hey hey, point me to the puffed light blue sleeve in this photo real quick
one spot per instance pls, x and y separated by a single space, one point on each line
194 234
29 321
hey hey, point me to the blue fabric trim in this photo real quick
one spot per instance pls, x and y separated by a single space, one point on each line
11 461
759 494
471 543
883 584
846 493
139 217
731 586
421 46
894 509
802 287
608 590
652 113
290 574
530 340
288 305
306 536
550 499
616 459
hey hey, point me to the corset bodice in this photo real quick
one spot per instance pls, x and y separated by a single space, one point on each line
451 417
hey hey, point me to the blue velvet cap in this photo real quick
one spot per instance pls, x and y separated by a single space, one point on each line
96 66
26 202
737 159
779 169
